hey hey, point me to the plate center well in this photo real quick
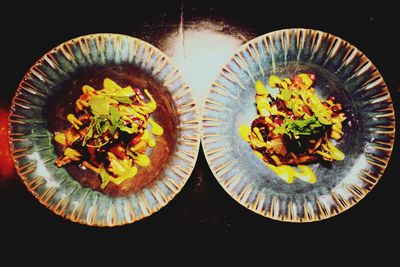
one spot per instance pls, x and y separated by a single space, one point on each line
63 103
329 175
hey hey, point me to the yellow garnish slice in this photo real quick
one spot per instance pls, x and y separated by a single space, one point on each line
274 81
306 174
142 160
288 173
74 121
146 137
156 129
86 89
263 106
72 154
284 171
244 131
260 88
110 85
60 138
335 153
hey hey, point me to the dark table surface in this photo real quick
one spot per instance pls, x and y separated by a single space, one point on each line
203 221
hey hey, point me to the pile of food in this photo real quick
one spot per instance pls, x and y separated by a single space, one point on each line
294 127
109 132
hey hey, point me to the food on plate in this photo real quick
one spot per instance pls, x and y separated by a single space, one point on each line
294 127
110 132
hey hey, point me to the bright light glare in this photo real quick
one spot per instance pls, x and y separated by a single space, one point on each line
200 54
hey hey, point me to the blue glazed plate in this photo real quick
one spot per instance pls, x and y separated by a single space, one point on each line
47 94
342 71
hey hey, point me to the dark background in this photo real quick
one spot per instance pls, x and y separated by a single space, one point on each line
202 223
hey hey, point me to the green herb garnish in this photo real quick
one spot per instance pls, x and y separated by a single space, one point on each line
302 127
106 118
99 105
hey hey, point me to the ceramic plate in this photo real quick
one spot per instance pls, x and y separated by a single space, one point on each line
48 93
342 71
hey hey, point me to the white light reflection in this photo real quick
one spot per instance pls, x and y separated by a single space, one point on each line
42 171
200 52
350 179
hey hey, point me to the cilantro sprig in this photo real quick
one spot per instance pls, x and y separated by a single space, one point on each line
106 117
301 127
